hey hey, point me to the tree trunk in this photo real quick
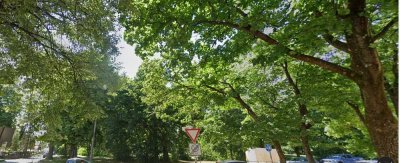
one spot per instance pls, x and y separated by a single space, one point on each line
303 111
297 150
49 154
304 134
380 121
93 142
279 150
261 143
381 124
231 151
307 150
165 152
73 150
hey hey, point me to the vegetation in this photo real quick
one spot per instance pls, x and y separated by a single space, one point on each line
310 78
342 37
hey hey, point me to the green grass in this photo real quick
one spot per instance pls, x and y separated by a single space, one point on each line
95 160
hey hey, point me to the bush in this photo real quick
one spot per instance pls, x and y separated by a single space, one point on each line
82 151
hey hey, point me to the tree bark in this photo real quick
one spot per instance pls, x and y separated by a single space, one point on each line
307 149
380 122
281 154
49 155
306 144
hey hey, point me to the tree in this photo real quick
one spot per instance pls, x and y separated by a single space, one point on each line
142 133
310 32
61 54
213 88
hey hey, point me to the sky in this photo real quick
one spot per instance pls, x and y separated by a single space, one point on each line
129 62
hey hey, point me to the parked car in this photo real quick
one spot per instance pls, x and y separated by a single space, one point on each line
77 160
300 159
367 161
341 158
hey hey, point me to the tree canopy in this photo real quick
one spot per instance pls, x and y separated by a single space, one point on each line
342 37
308 77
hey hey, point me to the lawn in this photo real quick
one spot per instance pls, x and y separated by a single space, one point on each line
95 160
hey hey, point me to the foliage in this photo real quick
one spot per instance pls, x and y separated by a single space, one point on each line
9 105
267 92
141 134
60 55
200 43
82 151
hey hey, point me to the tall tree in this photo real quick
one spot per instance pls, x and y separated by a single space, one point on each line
62 53
306 31
213 87
142 133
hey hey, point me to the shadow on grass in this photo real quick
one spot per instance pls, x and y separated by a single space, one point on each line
95 160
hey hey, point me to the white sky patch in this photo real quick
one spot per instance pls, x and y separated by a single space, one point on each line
195 37
128 60
195 60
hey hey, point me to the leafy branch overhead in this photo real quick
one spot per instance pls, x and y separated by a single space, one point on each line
349 38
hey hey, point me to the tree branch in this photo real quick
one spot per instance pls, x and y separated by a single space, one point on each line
384 29
239 99
336 43
36 37
302 107
329 38
241 12
348 73
216 90
247 29
309 59
290 79
357 110
230 86
270 105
